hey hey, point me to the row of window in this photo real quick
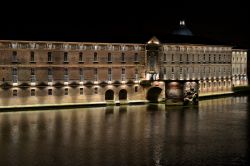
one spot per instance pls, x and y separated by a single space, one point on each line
66 74
66 71
191 58
81 57
210 70
66 91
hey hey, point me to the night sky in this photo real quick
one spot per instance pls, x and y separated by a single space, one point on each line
127 22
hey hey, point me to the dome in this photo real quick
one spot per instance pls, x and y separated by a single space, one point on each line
182 30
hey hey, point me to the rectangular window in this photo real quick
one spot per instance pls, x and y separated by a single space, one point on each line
81 91
136 57
109 58
66 72
136 74
81 75
14 71
109 74
172 58
123 74
123 70
50 57
65 57
32 56
165 58
180 57
95 57
50 75
80 57
95 74
14 56
204 58
187 58
123 57
50 92
33 75
32 92
49 71
14 75
14 92
32 71
66 91
180 70
164 71
109 71
66 75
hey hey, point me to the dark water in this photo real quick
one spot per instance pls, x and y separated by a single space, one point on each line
215 133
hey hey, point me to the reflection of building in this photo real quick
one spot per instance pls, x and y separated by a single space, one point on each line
47 72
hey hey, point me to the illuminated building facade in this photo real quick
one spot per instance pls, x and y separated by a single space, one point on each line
64 73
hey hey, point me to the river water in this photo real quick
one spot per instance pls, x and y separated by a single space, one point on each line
217 132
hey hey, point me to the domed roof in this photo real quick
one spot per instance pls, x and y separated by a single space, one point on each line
182 30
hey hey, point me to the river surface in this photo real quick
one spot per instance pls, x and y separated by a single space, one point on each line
217 132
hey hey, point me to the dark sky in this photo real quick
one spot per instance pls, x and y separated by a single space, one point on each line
129 22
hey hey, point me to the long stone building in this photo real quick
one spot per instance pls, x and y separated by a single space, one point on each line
48 73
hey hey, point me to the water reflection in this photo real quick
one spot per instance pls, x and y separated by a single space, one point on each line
215 133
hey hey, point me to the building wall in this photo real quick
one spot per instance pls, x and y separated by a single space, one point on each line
211 65
239 67
88 70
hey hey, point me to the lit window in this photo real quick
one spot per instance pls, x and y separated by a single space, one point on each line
66 91
81 91
50 92
32 92
14 92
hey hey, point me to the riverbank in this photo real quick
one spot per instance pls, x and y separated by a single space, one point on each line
236 91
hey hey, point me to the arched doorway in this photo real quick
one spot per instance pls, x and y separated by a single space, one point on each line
153 94
109 95
123 94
